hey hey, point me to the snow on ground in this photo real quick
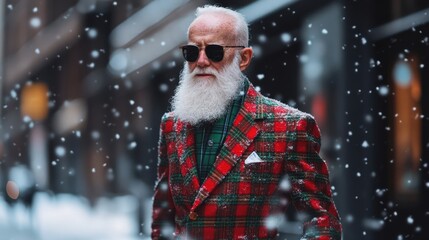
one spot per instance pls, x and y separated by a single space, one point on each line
69 217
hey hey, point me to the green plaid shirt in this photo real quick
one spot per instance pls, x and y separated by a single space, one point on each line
209 136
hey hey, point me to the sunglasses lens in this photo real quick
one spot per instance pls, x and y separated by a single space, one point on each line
190 53
214 52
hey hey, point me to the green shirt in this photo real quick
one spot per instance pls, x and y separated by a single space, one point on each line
209 136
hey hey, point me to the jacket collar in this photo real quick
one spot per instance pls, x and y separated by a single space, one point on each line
240 136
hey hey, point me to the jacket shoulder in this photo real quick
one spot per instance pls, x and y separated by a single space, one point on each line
168 116
295 120
276 109
167 122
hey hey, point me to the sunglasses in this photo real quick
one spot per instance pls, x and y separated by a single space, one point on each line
213 52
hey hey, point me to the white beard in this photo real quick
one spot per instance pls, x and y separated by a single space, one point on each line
198 100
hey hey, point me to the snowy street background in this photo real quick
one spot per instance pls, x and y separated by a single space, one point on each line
84 83
68 217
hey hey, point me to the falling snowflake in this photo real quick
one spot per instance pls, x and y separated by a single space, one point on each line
92 32
410 220
132 145
163 87
95 54
285 37
35 22
60 151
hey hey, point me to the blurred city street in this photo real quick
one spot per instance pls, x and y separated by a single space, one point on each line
68 217
84 84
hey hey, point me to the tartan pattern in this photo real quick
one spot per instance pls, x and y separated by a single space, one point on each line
236 199
216 133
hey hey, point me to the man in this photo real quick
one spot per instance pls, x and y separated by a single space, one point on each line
230 159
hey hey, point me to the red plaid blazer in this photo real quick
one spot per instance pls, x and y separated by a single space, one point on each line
241 199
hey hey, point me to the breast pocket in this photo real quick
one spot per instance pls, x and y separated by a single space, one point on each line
261 170
262 177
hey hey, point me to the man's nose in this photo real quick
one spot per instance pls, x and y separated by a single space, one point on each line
203 60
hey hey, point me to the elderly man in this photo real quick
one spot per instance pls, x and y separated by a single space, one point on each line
230 159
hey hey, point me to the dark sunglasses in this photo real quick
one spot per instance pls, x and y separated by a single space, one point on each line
213 52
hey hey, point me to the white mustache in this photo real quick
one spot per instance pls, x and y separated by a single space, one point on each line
203 71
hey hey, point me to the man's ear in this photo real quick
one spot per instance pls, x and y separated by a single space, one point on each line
246 57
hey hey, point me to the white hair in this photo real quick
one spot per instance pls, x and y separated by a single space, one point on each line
241 26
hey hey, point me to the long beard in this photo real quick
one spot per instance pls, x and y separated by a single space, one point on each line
198 100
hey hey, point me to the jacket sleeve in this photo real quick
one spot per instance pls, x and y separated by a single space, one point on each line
163 208
311 189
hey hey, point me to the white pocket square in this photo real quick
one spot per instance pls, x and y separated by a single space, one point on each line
253 158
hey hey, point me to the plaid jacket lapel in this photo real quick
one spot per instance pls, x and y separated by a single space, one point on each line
185 145
240 136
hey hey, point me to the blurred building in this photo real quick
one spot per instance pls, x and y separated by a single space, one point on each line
84 85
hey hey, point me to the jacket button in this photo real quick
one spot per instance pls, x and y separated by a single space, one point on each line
193 216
